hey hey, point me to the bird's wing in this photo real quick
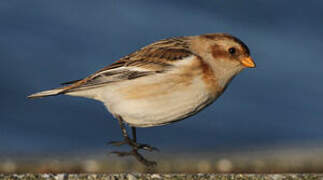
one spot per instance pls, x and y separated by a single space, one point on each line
157 57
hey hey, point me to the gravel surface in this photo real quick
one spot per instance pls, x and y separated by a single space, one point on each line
160 176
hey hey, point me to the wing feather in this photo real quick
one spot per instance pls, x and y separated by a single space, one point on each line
155 58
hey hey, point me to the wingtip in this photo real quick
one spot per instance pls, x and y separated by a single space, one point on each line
41 94
31 96
34 96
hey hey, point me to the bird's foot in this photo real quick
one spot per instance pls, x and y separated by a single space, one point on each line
137 155
134 145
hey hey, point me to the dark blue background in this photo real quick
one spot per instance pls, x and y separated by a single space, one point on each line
44 43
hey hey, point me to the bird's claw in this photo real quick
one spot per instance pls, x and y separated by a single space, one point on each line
137 155
147 147
117 143
134 145
122 154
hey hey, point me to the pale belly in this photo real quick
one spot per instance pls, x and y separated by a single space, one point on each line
154 102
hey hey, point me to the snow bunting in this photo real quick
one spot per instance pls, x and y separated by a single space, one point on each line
163 82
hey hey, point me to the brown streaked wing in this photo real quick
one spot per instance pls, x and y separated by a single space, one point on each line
154 58
161 53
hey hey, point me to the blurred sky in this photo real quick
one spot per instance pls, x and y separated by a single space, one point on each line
44 43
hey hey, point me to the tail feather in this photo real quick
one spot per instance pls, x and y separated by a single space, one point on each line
52 92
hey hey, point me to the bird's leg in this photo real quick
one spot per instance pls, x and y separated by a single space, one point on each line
141 146
133 143
126 138
134 134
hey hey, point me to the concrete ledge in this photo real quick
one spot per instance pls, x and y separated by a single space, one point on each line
159 176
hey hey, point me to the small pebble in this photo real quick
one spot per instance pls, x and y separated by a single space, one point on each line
156 176
131 177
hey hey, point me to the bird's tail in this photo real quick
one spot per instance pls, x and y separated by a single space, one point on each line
52 92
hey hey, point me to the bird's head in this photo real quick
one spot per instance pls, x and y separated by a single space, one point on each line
226 55
223 50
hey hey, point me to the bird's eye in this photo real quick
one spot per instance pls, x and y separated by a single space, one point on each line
232 50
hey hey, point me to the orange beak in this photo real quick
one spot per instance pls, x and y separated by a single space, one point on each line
248 62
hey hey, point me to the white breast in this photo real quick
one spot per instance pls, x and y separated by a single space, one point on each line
143 104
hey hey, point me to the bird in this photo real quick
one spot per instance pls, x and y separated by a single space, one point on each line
162 83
